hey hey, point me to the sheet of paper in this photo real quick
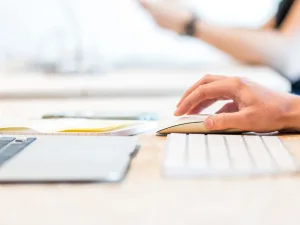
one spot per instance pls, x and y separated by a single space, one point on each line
65 125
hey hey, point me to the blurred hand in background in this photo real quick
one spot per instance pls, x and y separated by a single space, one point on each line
168 15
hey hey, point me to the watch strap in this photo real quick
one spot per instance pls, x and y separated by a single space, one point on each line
190 26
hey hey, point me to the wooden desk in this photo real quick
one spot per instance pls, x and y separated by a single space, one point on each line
145 198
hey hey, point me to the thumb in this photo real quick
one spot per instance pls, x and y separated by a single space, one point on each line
225 121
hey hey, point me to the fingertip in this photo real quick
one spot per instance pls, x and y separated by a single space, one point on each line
178 113
175 114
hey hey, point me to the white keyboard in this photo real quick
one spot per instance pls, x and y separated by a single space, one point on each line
199 155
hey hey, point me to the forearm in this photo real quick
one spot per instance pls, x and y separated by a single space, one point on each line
249 46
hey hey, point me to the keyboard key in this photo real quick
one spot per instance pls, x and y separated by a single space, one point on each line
238 153
14 148
259 153
280 154
175 154
197 152
30 140
5 141
218 153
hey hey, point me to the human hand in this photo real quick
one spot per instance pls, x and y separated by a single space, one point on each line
253 107
168 15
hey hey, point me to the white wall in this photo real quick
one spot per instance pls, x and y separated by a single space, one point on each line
109 30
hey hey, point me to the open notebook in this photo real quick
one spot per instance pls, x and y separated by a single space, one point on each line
75 127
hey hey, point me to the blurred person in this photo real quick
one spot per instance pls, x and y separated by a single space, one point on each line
253 107
234 41
268 45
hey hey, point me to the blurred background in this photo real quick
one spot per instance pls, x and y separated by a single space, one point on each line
94 36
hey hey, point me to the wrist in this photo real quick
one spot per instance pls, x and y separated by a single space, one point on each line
190 25
292 115
201 28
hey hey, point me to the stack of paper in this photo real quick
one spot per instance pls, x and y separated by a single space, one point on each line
75 127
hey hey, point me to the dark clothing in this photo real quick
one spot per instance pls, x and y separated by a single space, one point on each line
296 87
283 10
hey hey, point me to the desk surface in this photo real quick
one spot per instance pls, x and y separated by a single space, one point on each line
145 198
125 83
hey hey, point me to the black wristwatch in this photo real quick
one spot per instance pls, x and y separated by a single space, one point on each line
190 26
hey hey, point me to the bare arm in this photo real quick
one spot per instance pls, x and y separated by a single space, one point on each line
247 46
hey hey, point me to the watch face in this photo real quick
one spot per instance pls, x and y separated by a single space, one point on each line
190 27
